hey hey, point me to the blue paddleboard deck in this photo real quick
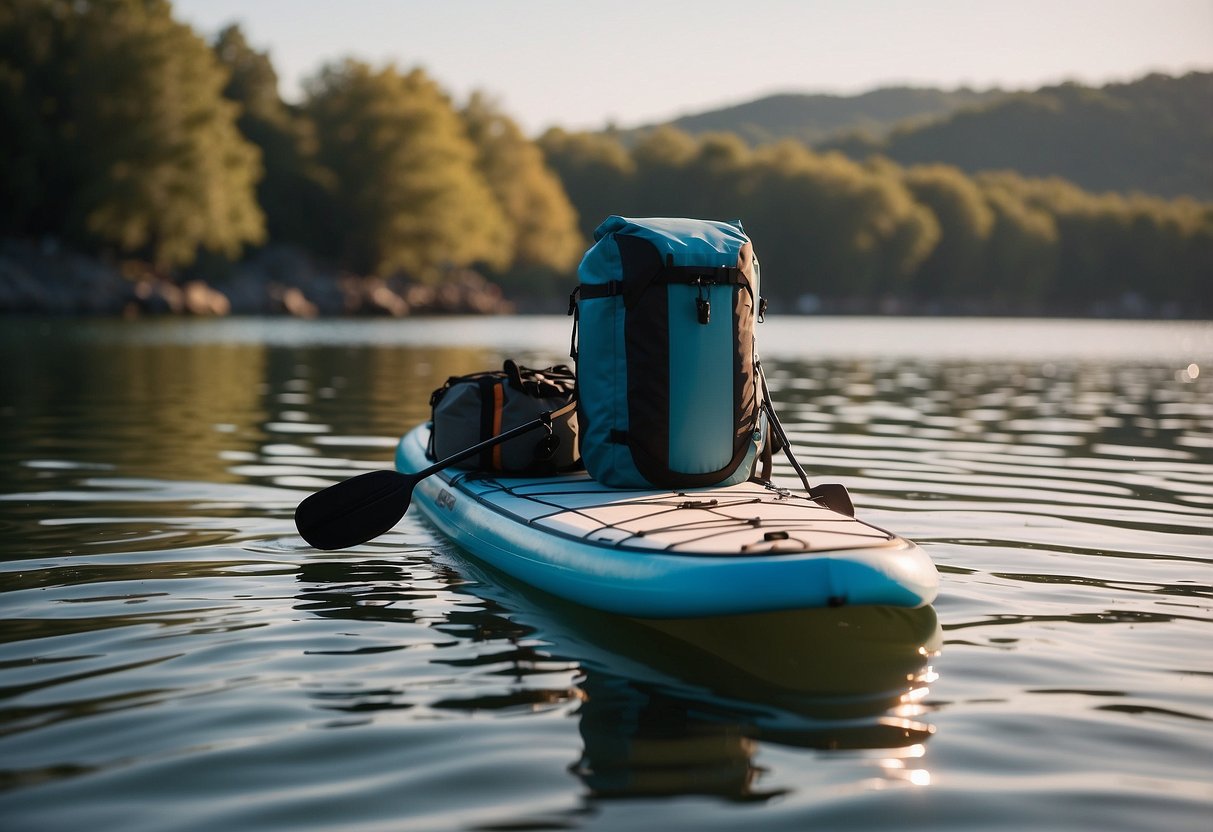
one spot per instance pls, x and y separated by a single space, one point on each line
735 549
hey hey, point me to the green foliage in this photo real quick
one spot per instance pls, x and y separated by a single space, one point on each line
1019 260
835 227
296 191
251 79
826 225
1150 135
1107 245
409 197
124 133
596 171
543 224
954 266
117 136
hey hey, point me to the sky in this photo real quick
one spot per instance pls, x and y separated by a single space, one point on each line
584 65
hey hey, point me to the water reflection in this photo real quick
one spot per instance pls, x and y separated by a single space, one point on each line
171 650
182 412
717 688
664 707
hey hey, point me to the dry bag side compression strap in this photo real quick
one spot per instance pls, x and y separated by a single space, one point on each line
492 400
668 274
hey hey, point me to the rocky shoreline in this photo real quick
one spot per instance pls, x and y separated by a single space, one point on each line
44 280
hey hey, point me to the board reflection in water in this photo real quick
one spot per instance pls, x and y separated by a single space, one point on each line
678 706
821 679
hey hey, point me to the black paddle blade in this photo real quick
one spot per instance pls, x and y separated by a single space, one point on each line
354 511
834 496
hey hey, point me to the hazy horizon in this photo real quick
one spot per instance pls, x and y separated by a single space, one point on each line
571 65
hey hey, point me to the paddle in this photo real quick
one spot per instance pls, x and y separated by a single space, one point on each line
832 495
364 507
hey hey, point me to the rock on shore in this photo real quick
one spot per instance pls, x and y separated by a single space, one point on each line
44 279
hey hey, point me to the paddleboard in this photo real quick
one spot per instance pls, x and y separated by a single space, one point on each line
745 548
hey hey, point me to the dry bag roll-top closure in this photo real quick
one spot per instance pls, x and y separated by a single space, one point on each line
663 339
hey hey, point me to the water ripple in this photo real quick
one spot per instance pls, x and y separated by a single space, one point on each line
173 656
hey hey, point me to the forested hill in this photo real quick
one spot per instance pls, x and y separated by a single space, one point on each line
816 118
1153 135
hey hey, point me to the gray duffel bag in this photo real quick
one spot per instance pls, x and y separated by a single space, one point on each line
470 409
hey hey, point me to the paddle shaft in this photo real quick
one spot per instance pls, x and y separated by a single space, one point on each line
778 428
364 507
833 496
544 420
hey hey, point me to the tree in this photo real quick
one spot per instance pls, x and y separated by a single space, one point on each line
120 138
660 158
710 180
542 221
597 172
251 78
296 190
954 266
1021 255
408 194
1147 135
830 226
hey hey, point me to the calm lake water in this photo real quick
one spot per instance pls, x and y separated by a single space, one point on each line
173 657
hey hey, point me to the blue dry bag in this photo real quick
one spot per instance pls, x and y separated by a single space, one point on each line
663 338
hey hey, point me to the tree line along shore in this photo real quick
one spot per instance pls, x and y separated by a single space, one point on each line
146 170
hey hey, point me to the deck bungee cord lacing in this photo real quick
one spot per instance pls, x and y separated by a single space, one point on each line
618 532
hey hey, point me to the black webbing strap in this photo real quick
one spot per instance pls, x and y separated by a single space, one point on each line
695 275
591 291
677 275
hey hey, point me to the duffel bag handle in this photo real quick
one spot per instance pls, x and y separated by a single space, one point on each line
549 383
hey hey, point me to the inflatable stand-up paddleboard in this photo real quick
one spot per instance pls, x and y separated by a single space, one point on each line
651 553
